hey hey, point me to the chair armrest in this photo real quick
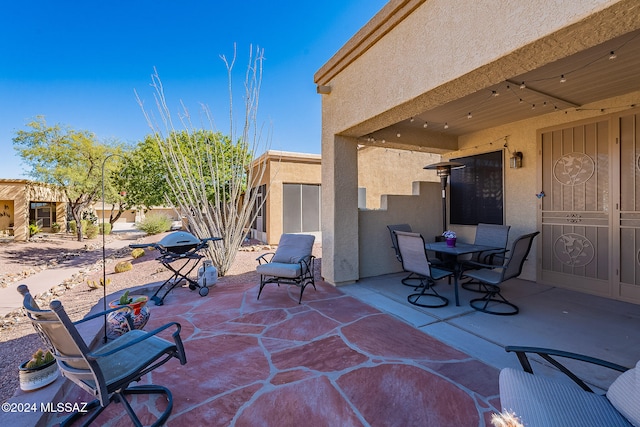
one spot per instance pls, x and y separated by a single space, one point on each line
546 354
147 335
487 257
103 313
263 258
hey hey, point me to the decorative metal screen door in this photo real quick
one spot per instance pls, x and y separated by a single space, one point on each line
628 221
591 241
574 249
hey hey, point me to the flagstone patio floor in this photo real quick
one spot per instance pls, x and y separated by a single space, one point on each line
330 361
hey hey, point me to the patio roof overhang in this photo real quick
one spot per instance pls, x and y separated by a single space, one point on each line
565 71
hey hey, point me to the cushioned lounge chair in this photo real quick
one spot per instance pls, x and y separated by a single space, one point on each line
291 264
540 401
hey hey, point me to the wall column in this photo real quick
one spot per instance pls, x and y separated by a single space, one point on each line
340 210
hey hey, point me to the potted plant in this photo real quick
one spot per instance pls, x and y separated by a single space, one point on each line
450 237
39 371
135 316
55 227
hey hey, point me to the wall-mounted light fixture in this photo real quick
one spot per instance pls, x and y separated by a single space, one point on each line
516 160
323 90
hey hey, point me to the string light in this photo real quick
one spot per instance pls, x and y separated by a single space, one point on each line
446 126
612 55
523 86
494 93
469 115
398 135
562 78
425 125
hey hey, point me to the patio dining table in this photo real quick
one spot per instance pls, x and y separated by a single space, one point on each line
455 251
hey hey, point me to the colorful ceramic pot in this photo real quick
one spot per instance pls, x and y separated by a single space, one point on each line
117 322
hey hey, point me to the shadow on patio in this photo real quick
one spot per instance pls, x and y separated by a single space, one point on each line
332 360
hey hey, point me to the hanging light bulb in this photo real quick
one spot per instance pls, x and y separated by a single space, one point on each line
398 135
562 79
494 93
425 125
411 119
469 115
446 126
521 101
613 55
533 106
522 85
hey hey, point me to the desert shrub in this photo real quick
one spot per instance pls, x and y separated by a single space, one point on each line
73 227
33 229
155 223
105 228
92 231
137 253
123 266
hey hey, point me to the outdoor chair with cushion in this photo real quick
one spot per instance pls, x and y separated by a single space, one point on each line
415 260
410 280
107 371
491 277
291 264
540 401
488 235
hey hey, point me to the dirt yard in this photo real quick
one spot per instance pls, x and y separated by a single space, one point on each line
18 260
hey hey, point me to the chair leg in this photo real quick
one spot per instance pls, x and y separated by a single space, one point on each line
411 281
120 396
414 298
481 304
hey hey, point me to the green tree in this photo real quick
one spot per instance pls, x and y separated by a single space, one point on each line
66 157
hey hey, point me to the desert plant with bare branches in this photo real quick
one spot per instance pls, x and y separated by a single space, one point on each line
211 178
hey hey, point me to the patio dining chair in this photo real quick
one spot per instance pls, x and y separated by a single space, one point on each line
107 371
415 260
488 235
411 280
491 277
291 264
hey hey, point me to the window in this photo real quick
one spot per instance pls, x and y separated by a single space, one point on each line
42 213
476 193
260 222
301 208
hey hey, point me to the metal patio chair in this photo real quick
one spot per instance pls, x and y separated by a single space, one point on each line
491 277
489 235
411 279
415 260
291 264
549 402
107 371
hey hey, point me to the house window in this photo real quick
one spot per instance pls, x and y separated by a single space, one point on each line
42 213
476 192
260 222
301 208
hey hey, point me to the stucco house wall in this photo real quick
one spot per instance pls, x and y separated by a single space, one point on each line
439 53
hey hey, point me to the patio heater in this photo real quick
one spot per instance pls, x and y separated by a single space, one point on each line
443 169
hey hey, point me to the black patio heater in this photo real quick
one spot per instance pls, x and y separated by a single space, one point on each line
443 169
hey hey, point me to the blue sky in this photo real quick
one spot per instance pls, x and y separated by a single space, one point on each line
78 63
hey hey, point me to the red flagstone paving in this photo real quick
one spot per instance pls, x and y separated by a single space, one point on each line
330 361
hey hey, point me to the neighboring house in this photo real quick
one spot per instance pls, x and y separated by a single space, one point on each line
132 216
292 184
23 202
289 194
463 80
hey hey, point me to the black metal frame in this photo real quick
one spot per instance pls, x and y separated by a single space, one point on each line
190 256
547 353
305 279
101 385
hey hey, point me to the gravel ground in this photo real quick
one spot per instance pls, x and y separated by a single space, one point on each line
17 338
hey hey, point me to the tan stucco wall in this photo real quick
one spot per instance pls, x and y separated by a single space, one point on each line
417 55
418 210
284 168
385 171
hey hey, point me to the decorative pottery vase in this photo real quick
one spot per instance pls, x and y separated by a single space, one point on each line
117 322
451 242
35 378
